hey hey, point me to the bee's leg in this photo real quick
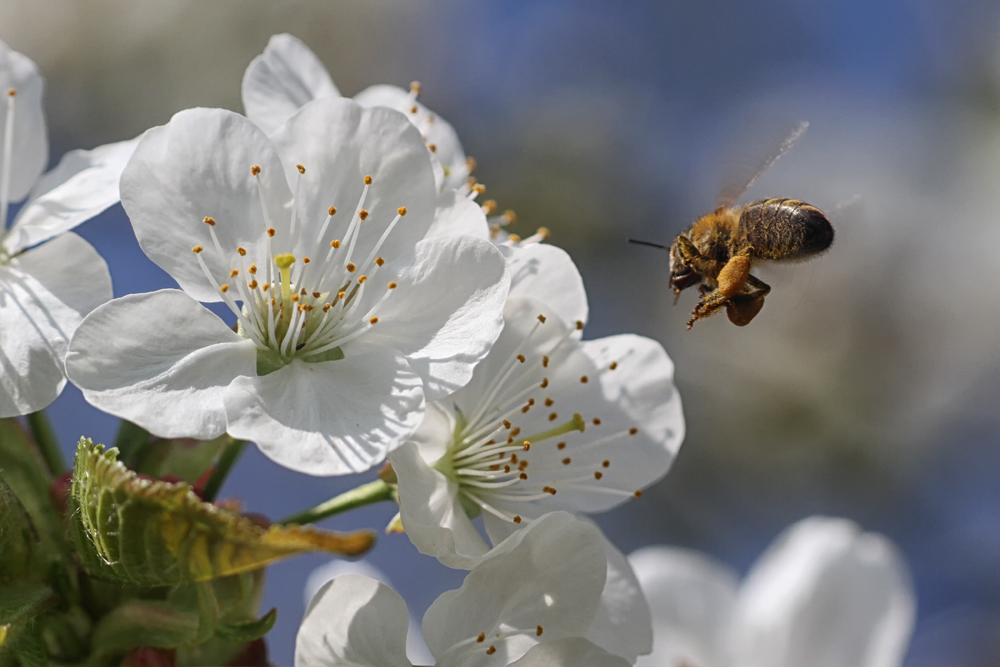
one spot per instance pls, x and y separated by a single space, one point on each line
742 308
732 281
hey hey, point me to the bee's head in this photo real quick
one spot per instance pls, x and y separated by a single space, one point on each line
682 274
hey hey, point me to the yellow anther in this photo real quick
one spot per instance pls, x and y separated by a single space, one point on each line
362 279
335 243
379 261
432 148
373 320
413 109
517 518
316 295
341 295
543 232
209 221
326 307
541 318
368 180
613 366
252 284
271 232
579 325
538 631
255 170
605 463
351 268
332 211
392 285
415 87
253 268
242 251
515 238
197 249
363 214
401 210
596 421
545 383
224 288
306 260
301 169
598 474
638 494
303 291
633 431
489 206
510 216
521 358
506 424
479 188
12 92
234 273
470 163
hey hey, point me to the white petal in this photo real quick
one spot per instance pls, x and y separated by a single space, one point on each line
691 598
339 143
44 295
331 417
448 148
282 79
457 214
432 514
353 621
623 625
446 312
434 433
160 360
550 574
81 186
30 149
198 165
416 650
546 273
569 652
825 595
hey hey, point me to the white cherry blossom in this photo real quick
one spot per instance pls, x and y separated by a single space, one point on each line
547 422
528 603
348 317
50 278
824 594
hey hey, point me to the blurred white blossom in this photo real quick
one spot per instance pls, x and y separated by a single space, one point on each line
528 603
45 290
348 317
824 594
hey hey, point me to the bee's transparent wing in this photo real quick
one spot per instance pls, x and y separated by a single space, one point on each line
739 180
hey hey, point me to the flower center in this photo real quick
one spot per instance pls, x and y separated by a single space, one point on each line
488 457
301 307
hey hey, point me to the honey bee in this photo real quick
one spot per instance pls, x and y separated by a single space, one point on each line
716 253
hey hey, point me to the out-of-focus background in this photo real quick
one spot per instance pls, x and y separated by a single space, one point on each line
866 388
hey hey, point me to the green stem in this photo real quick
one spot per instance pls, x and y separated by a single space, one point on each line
227 460
366 494
45 438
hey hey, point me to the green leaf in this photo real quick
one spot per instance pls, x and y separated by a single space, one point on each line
26 645
22 600
145 623
18 539
24 471
246 632
152 533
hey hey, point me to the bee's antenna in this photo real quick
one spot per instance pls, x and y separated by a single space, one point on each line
653 245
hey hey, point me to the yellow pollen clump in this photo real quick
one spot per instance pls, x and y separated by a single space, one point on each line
379 261
613 366
509 216
252 269
197 249
332 211
597 422
506 468
479 188
295 297
351 268
373 320
326 307
531 401
545 361
284 260
306 260
265 286
527 447
554 416
579 325
566 461
538 631
520 358
523 475
481 638
362 279
514 238
242 251
392 285
335 243
255 170
303 292
253 284
271 232
401 210
517 518
363 214
12 92
541 318
209 221
368 180
598 475
470 163
606 463
415 87
413 109
561 445
341 295
506 424
316 295
489 206
543 232
638 494
301 169
234 273
584 379
432 148
549 402
549 489
224 288
491 650
633 431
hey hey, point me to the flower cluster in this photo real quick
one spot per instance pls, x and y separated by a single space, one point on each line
377 314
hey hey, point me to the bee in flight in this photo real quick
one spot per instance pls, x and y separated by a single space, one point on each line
717 251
